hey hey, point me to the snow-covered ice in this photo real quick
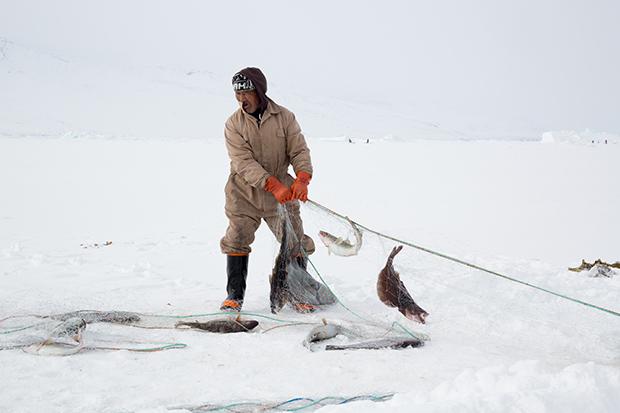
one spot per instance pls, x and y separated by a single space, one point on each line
500 147
495 345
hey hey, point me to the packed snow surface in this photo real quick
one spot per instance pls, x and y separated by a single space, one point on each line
443 124
526 210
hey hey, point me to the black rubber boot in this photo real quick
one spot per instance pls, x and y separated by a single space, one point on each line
237 272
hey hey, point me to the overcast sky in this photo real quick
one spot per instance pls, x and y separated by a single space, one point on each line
547 64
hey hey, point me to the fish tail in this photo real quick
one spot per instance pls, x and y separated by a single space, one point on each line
356 231
394 252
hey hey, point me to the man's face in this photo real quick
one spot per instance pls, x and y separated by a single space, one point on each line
248 100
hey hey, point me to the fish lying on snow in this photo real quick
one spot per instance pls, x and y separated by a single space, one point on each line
393 293
221 325
342 247
91 316
326 331
322 332
384 343
72 327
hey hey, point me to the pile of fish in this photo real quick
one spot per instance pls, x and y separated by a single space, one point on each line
291 284
598 268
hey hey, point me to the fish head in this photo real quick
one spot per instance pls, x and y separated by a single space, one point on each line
249 324
314 336
418 316
72 327
322 332
327 238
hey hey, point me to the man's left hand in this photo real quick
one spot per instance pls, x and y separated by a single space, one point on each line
299 188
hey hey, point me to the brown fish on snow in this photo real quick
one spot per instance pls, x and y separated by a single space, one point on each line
221 325
384 343
393 293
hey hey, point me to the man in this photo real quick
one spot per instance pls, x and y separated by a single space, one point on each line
263 139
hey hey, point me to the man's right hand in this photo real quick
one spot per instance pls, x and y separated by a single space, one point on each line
281 192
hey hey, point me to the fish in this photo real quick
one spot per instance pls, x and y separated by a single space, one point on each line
221 325
304 291
290 282
326 331
385 343
342 247
393 293
119 317
91 316
278 295
322 332
72 328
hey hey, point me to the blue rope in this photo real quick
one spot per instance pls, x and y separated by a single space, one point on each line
286 406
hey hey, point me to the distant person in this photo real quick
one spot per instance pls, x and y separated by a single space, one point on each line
263 139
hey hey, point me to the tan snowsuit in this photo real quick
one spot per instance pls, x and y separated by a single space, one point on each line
257 151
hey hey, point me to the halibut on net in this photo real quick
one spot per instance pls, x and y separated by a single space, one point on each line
393 293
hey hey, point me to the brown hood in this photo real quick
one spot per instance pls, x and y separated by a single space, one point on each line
260 83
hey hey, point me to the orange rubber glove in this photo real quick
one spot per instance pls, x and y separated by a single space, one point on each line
299 188
281 192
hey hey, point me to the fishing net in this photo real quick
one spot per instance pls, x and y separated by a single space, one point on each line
299 286
69 333
309 285
343 297
466 301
